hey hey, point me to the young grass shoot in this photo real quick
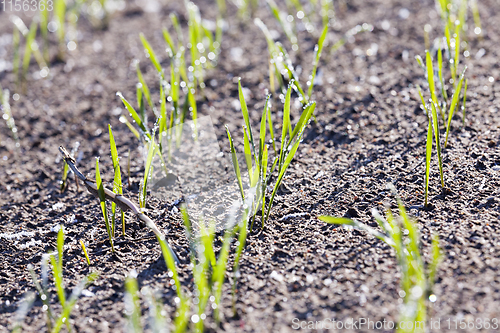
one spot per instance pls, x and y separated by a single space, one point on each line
54 323
257 153
401 233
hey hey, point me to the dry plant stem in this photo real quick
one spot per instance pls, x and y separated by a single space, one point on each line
122 202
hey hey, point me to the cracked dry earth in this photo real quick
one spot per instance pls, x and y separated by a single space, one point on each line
370 131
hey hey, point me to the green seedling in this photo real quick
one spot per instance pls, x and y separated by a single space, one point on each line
281 17
7 115
280 63
60 18
446 109
208 270
117 183
54 323
99 12
44 23
84 249
317 54
259 170
152 149
22 312
463 102
102 200
327 11
150 53
16 40
294 6
132 304
477 19
401 233
181 80
221 6
145 90
246 8
454 14
31 48
147 139
123 203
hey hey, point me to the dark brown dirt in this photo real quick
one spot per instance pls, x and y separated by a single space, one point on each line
370 132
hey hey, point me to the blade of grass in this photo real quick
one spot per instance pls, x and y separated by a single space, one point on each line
22 311
248 154
246 117
84 249
58 280
27 51
150 53
464 101
42 290
440 73
149 160
357 225
453 105
102 200
438 144
144 87
60 15
430 80
124 120
64 317
317 54
170 42
271 130
117 181
16 47
132 304
428 154
44 22
235 164
134 115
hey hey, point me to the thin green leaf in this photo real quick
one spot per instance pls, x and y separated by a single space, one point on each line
438 144
263 127
464 101
117 181
64 317
136 133
244 111
235 164
248 154
169 41
144 87
428 154
58 280
102 200
440 72
430 80
60 247
271 129
303 120
149 52
132 305
436 258
147 170
134 115
317 54
453 105
30 38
